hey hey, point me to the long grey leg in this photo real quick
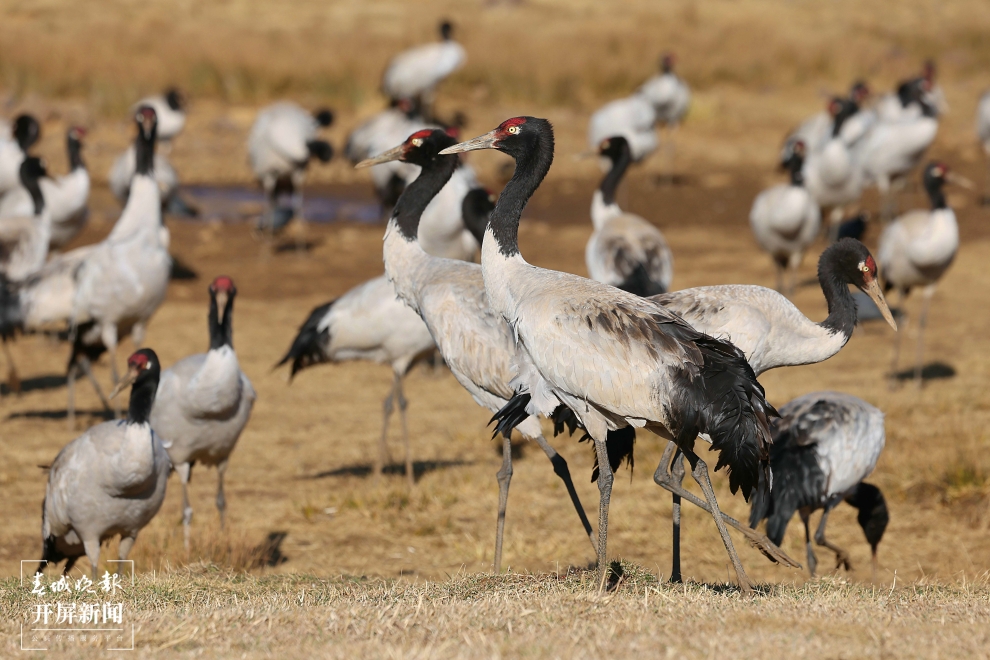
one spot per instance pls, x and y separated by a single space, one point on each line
677 473
185 471
922 321
87 369
902 297
109 337
663 478
70 406
812 559
403 404
699 470
221 500
561 470
504 476
841 556
598 432
92 547
379 466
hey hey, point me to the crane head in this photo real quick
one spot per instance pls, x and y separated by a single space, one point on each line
175 99
851 262
142 363
516 137
147 120
418 149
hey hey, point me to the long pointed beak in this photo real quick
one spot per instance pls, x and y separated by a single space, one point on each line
486 141
960 180
125 382
873 291
221 304
386 157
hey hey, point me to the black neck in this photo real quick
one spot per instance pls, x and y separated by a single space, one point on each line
221 334
418 194
847 111
795 165
142 398
841 304
531 167
34 189
74 147
620 164
936 196
145 151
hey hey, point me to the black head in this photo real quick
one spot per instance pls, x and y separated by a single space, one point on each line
446 30
143 372
519 137
933 179
667 62
147 122
841 109
420 148
794 156
324 117
851 261
26 131
175 100
75 135
613 148
859 92
873 515
222 292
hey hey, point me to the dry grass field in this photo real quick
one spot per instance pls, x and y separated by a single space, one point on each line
321 559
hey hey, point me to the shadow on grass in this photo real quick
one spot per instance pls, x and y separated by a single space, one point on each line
931 371
269 553
105 415
293 246
46 382
364 470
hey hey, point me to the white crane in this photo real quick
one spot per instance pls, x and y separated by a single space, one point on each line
449 295
170 108
983 133
671 99
772 332
916 249
785 220
25 224
905 102
282 141
625 250
832 174
816 130
894 147
24 134
633 118
613 358
824 445
415 73
204 402
68 195
109 481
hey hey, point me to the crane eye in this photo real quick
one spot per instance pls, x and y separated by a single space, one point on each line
513 129
417 142
864 268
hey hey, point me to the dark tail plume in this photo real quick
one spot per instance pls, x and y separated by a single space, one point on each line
309 346
511 415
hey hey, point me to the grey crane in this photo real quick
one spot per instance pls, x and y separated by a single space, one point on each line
109 481
204 402
415 73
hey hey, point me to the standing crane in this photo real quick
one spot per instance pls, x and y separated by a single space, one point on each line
824 445
109 481
204 402
916 249
414 74
616 359
671 99
625 250
832 174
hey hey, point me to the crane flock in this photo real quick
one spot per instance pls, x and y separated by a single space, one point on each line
619 352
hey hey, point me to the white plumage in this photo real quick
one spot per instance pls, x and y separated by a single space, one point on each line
109 481
25 224
832 174
13 148
169 107
633 118
669 94
204 402
625 250
124 167
785 220
415 73
378 134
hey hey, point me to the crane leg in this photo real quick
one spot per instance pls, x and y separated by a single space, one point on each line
677 473
13 380
561 470
87 369
92 547
387 406
812 559
504 476
699 470
781 285
403 404
185 472
109 337
841 556
919 355
70 405
663 478
126 543
221 500
297 203
605 479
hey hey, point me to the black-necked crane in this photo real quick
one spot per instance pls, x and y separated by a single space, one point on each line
68 195
23 135
824 445
449 295
633 118
785 220
916 249
616 359
109 481
983 133
816 130
170 108
204 402
671 99
415 73
832 173
625 250
283 140
771 331
905 102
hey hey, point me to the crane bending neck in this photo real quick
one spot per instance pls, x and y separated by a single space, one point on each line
842 315
418 194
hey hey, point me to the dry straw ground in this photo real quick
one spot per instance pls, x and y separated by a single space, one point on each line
320 559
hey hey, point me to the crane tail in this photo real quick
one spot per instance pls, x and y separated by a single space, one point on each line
310 344
511 415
